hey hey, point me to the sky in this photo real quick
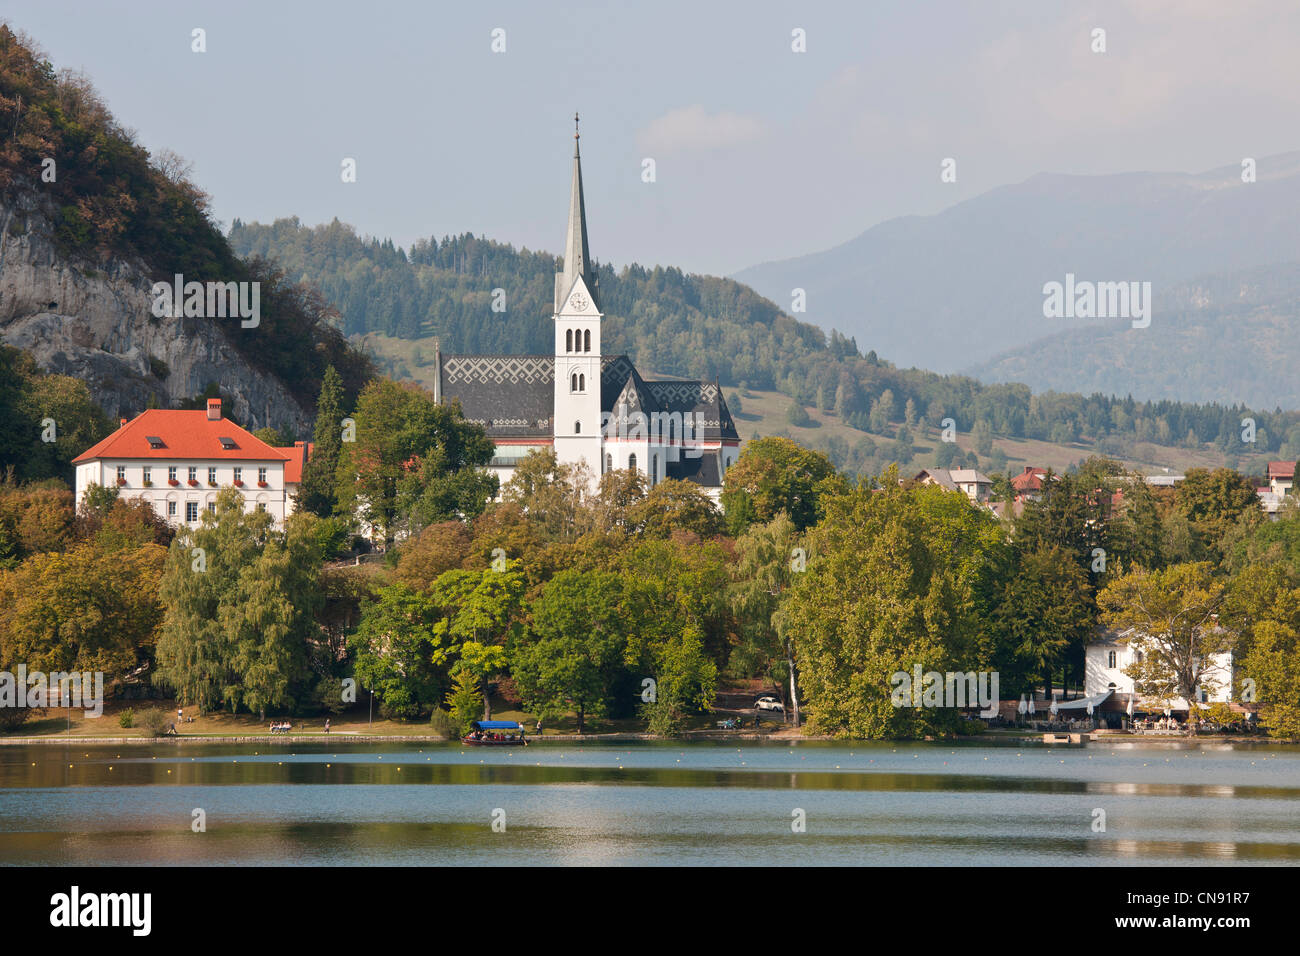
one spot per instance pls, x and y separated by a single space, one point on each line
760 152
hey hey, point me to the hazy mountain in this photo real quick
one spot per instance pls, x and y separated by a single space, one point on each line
955 289
1221 338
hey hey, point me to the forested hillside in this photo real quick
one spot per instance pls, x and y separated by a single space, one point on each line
75 186
1222 337
702 326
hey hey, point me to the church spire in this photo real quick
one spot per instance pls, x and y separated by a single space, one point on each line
577 258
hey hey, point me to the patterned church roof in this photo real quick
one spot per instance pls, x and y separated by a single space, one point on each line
513 396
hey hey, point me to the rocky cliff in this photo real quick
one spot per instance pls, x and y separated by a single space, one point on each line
94 322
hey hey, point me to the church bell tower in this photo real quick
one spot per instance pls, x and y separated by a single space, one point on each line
577 339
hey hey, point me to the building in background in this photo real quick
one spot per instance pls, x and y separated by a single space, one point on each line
590 407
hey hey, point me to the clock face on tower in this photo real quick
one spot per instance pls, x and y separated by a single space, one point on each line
578 301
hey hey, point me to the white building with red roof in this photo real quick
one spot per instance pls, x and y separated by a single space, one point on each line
1281 476
177 461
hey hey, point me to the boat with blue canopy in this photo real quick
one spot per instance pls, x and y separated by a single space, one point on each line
495 733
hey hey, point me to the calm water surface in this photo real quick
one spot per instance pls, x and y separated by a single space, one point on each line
655 804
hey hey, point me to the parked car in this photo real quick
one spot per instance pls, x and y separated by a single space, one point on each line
769 703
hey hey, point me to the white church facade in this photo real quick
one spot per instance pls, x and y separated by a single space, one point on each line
588 406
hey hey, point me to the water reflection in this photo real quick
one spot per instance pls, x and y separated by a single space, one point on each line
659 804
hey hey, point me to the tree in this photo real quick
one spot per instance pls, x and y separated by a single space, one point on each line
773 475
273 437
552 495
1262 608
239 599
1174 616
766 562
1215 501
1045 613
395 651
675 505
93 608
464 700
269 620
897 579
478 611
412 455
318 493
573 652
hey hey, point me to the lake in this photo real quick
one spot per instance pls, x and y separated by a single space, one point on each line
668 804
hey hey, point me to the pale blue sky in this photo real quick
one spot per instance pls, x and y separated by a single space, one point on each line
761 153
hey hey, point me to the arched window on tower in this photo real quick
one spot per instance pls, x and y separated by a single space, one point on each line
568 340
577 428
654 470
582 383
573 382
631 462
586 340
609 462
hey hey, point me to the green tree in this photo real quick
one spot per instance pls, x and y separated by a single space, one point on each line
1045 614
766 562
239 599
573 653
318 493
1174 614
411 455
394 647
479 615
897 578
773 475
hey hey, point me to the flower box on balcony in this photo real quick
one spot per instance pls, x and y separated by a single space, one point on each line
212 484
193 482
173 482
146 483
239 483
263 484
121 482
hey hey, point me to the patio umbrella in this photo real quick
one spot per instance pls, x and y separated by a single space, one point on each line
1053 708
1020 707
1031 707
1089 709
1129 709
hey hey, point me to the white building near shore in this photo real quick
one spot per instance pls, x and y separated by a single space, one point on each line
177 461
1111 653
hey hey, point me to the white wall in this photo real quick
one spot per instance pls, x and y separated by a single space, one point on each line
274 497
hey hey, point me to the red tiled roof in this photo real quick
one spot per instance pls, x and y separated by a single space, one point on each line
299 454
1281 469
185 435
1031 479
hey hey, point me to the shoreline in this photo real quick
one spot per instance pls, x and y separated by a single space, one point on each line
695 737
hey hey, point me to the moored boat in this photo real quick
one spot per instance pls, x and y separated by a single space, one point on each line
495 733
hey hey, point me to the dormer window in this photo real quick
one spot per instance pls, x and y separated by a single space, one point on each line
154 442
227 444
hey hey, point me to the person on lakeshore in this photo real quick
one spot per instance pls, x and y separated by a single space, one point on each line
327 725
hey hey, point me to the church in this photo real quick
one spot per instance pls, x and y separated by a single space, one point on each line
588 406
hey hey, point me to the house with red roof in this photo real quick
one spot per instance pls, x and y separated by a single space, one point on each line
1281 476
177 461
1028 485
